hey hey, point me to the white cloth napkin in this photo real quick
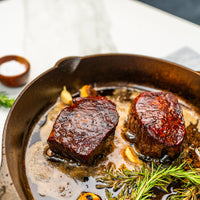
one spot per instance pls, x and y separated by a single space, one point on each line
186 57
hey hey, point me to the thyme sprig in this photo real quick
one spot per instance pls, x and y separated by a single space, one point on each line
5 101
138 184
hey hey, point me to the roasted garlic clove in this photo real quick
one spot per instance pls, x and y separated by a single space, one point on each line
66 97
88 196
131 155
88 91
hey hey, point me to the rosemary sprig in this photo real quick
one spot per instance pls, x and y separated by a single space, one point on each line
188 193
5 101
138 184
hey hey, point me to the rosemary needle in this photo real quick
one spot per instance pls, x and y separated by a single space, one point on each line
5 101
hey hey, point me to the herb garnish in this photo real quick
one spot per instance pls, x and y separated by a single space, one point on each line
138 184
5 101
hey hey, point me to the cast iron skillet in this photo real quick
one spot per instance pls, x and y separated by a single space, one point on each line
74 72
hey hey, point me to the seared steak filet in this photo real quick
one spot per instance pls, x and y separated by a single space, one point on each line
156 120
80 130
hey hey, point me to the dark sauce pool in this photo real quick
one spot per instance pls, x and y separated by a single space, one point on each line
51 177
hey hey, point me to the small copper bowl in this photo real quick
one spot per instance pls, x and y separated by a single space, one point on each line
18 79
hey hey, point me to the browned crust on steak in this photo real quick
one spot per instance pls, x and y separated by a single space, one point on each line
80 130
156 121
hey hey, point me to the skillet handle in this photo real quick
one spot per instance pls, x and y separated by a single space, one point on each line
7 189
71 63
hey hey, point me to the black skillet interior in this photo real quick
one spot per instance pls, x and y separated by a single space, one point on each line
74 72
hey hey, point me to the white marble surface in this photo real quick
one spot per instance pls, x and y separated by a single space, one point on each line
45 31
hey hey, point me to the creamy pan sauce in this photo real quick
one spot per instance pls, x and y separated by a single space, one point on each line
64 179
